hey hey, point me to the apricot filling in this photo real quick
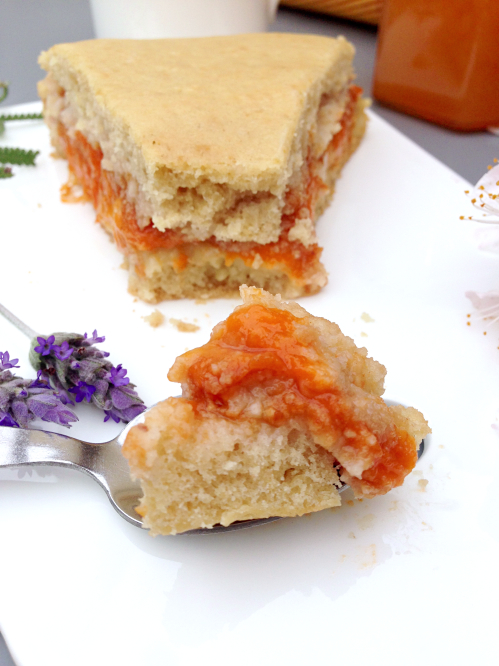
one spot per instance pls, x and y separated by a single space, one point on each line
262 364
107 192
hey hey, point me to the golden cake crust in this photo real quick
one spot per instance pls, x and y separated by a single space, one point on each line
248 91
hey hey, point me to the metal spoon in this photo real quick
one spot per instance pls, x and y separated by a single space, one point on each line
102 461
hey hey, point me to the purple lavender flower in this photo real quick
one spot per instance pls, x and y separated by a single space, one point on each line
6 363
63 351
7 420
45 346
111 414
117 376
38 382
81 372
95 339
24 400
83 391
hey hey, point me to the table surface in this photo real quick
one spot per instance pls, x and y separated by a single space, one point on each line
23 34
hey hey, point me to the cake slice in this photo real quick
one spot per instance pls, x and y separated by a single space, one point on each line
207 160
278 409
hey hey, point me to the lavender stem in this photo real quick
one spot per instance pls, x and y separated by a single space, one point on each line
17 322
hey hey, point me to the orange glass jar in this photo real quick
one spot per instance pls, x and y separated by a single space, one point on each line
439 60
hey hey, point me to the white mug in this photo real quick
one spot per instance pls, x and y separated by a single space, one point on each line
153 19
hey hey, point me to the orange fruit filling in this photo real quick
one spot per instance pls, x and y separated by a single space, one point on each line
107 192
267 352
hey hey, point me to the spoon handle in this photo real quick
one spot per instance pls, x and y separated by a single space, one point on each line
104 462
38 447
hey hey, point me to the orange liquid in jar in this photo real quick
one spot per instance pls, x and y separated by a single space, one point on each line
439 60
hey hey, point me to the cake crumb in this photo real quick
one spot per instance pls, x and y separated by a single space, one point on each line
367 318
363 335
155 319
184 326
366 521
350 502
39 205
370 557
124 266
422 483
352 536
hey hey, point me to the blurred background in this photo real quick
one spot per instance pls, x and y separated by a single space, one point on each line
30 26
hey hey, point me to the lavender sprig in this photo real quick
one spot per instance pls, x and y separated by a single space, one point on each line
14 155
24 400
17 156
4 90
80 373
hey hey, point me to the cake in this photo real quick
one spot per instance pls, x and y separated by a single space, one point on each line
278 410
208 160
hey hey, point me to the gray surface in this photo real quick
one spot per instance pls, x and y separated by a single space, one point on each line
29 26
5 658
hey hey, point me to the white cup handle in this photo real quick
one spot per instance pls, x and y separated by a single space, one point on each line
272 9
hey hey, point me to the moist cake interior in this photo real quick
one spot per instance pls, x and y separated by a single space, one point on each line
277 409
187 231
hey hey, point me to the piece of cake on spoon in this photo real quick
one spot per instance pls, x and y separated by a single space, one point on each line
278 409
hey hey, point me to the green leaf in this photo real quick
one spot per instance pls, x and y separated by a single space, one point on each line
4 90
21 116
14 155
17 156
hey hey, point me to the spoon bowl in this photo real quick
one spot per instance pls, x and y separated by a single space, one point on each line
104 462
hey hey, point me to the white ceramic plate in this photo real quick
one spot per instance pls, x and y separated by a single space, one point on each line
407 578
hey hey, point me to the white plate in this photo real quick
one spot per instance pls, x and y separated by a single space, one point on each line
407 578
